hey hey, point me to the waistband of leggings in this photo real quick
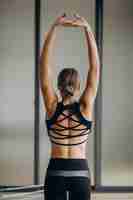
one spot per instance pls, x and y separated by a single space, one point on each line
69 173
68 164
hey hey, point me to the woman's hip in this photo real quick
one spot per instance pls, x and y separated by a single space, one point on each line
68 167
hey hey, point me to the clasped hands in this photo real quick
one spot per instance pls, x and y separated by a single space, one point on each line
76 21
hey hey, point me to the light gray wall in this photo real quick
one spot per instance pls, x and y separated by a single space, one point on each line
117 113
16 92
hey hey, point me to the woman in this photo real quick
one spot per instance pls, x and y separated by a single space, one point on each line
69 121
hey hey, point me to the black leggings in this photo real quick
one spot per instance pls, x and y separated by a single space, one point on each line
67 179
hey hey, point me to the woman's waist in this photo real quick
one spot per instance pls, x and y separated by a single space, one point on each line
68 152
68 164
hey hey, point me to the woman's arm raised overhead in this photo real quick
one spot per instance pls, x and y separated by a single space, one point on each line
45 68
88 96
92 82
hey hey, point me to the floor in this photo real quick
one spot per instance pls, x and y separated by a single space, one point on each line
39 196
114 196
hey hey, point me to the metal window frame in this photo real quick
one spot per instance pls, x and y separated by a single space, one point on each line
37 19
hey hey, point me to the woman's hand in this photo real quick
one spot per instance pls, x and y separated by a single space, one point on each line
59 20
79 21
76 21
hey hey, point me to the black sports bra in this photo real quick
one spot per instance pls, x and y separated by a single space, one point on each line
75 109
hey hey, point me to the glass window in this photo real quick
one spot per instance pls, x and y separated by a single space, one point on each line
69 50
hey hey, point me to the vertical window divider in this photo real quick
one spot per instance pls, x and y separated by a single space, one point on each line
37 6
98 102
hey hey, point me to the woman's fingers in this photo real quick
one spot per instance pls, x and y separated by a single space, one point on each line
77 20
62 16
76 15
67 22
59 18
82 20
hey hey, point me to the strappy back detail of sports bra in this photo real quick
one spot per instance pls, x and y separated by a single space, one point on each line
75 109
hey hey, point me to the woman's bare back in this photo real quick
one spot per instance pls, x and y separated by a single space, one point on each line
67 150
